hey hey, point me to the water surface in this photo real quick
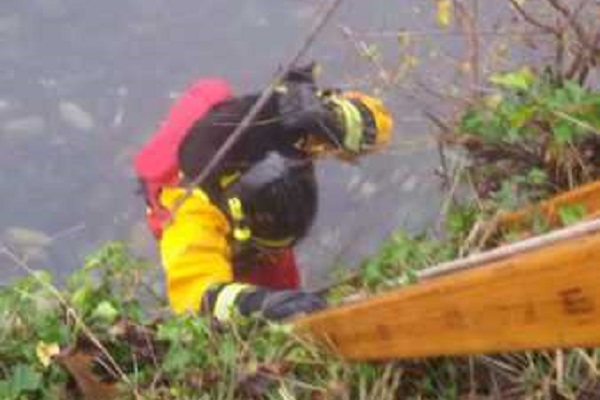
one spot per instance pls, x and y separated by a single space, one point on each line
84 84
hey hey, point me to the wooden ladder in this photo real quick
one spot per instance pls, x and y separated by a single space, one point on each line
543 292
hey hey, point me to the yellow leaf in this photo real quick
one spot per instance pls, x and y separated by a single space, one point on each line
493 101
521 79
444 12
45 351
404 39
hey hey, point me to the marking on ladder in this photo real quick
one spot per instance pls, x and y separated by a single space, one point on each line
574 301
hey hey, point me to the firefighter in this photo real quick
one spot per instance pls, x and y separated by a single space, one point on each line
229 247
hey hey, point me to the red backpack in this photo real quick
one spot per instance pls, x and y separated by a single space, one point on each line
156 164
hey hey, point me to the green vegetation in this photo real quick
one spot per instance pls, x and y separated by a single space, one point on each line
50 342
163 357
533 137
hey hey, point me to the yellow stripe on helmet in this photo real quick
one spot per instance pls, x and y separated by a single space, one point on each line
353 123
382 117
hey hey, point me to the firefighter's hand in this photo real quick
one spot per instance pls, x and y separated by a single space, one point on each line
303 109
224 300
277 305
283 304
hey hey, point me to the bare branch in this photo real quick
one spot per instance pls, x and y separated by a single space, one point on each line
529 18
572 21
469 23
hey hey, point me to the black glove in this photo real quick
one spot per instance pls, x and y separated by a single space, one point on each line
303 108
220 300
279 304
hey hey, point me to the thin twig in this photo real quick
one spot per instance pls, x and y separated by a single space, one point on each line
446 130
469 22
575 121
527 17
363 50
402 32
450 196
472 236
490 228
559 366
67 232
571 21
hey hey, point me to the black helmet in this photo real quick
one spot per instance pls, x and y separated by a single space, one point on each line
278 196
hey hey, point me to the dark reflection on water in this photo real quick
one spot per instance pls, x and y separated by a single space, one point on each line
83 84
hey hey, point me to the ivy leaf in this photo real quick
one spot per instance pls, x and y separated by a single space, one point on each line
571 214
81 298
372 272
522 115
472 121
177 360
518 80
563 132
23 379
6 390
106 312
493 101
575 92
537 176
